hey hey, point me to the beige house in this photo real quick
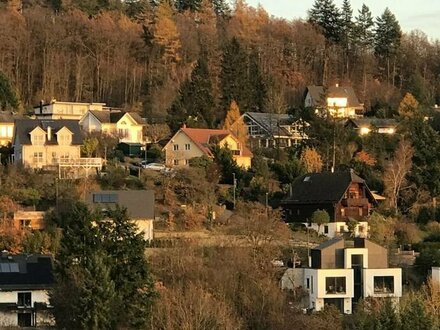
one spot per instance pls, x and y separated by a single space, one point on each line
50 143
65 110
337 101
189 143
6 128
127 126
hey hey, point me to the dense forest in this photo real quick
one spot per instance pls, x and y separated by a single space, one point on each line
192 57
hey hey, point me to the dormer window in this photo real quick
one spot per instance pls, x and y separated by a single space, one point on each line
64 139
38 139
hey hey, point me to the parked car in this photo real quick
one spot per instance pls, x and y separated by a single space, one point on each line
155 167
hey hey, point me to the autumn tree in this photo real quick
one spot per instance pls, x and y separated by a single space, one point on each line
157 132
364 157
311 160
234 122
396 171
409 106
90 145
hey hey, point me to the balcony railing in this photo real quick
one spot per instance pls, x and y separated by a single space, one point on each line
355 202
89 162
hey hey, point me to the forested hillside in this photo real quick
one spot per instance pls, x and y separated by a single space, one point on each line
192 57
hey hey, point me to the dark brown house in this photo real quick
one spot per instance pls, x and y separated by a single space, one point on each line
342 194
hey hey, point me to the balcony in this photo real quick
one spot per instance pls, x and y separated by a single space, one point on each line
80 162
355 202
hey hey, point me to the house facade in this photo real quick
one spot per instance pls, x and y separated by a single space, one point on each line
364 126
336 101
51 144
25 282
189 143
29 220
343 195
341 274
127 126
65 110
270 130
139 205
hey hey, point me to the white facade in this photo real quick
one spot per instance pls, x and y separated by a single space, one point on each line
335 229
316 281
65 110
145 227
382 283
10 317
436 277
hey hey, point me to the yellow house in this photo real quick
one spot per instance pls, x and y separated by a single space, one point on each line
6 128
127 126
189 143
49 143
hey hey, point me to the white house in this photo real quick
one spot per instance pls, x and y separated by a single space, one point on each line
127 126
25 281
65 110
340 275
337 101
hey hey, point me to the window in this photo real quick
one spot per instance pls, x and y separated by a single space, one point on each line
308 283
24 299
38 139
325 229
335 285
38 157
342 212
360 211
64 158
176 147
54 158
25 223
383 284
123 132
176 162
311 284
64 139
105 198
186 162
187 146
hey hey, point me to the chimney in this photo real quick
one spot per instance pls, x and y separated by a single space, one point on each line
184 125
49 133
41 106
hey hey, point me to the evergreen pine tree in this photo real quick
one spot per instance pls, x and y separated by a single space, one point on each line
325 15
257 96
195 99
234 83
8 98
192 5
221 7
387 42
363 33
346 31
415 316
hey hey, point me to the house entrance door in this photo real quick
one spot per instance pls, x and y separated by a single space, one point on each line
24 319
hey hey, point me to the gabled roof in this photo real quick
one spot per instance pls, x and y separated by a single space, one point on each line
271 122
323 187
23 128
328 243
25 272
112 117
377 122
318 93
204 138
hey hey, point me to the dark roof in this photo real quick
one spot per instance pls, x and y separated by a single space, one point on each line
271 122
317 93
322 187
328 243
25 272
139 203
377 122
112 117
24 126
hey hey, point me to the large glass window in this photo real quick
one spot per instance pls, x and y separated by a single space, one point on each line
383 284
335 285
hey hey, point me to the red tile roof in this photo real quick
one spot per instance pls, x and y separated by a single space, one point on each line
204 137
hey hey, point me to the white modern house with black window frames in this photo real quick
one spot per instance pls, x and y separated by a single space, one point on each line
341 273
